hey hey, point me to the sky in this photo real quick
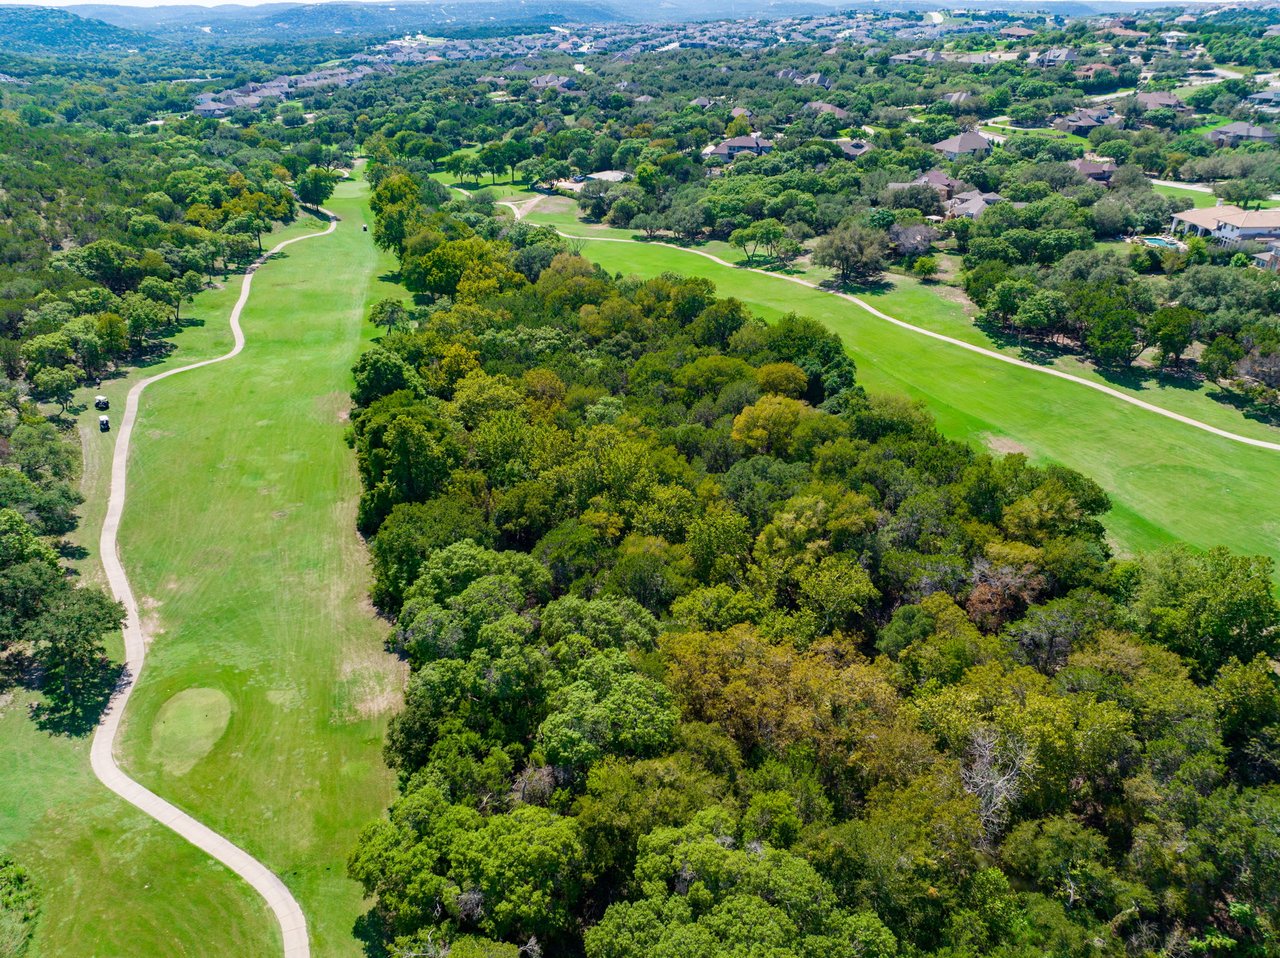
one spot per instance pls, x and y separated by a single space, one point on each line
171 3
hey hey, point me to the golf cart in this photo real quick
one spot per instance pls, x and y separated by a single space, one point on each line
104 424
101 402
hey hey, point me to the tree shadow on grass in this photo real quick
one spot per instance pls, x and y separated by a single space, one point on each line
71 550
1247 407
870 290
77 715
1141 377
153 353
371 931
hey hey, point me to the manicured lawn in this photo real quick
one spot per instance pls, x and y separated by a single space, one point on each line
1200 199
263 703
107 873
943 309
1169 482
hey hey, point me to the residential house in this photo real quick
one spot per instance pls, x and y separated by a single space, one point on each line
738 111
1097 170
1267 101
1055 57
1017 33
1229 225
1082 121
946 185
730 149
1161 101
852 149
1235 133
551 81
972 203
817 106
923 56
1269 259
968 143
1090 71
610 176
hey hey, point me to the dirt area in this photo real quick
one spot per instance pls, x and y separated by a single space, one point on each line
1004 445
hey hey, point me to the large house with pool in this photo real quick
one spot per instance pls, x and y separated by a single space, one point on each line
1228 224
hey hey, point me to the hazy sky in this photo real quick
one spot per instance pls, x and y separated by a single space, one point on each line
162 3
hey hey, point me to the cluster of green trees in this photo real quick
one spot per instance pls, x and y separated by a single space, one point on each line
107 237
52 632
1097 301
104 237
713 654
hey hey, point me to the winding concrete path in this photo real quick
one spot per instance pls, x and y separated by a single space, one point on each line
941 337
293 926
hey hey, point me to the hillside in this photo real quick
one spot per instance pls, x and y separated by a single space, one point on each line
309 20
40 29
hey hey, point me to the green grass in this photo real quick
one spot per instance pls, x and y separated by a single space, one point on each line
239 538
1201 200
943 309
1168 482
1211 123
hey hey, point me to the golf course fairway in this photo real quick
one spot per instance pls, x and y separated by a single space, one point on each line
1168 482
263 703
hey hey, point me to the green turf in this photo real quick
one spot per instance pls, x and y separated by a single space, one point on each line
943 309
238 535
1169 482
1200 199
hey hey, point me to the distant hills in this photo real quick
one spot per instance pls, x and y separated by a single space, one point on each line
285 21
47 30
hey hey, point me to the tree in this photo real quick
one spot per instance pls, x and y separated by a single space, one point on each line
1220 357
767 233
56 385
389 314
769 425
68 643
609 710
925 268
1172 329
315 186
1243 191
857 253
648 223
19 908
1209 607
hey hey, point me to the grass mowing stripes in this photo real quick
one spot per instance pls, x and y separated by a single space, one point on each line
276 631
239 533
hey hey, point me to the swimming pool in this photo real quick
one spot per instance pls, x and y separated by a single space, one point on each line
1160 241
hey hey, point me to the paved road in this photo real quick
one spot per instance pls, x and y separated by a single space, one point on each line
293 926
972 347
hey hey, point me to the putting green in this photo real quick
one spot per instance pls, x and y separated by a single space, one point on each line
187 727
1169 482
239 539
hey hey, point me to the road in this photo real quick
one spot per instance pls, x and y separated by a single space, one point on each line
293 925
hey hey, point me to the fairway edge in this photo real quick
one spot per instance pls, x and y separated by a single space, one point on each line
293 924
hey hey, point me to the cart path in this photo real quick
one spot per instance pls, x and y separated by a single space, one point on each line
279 899
941 337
